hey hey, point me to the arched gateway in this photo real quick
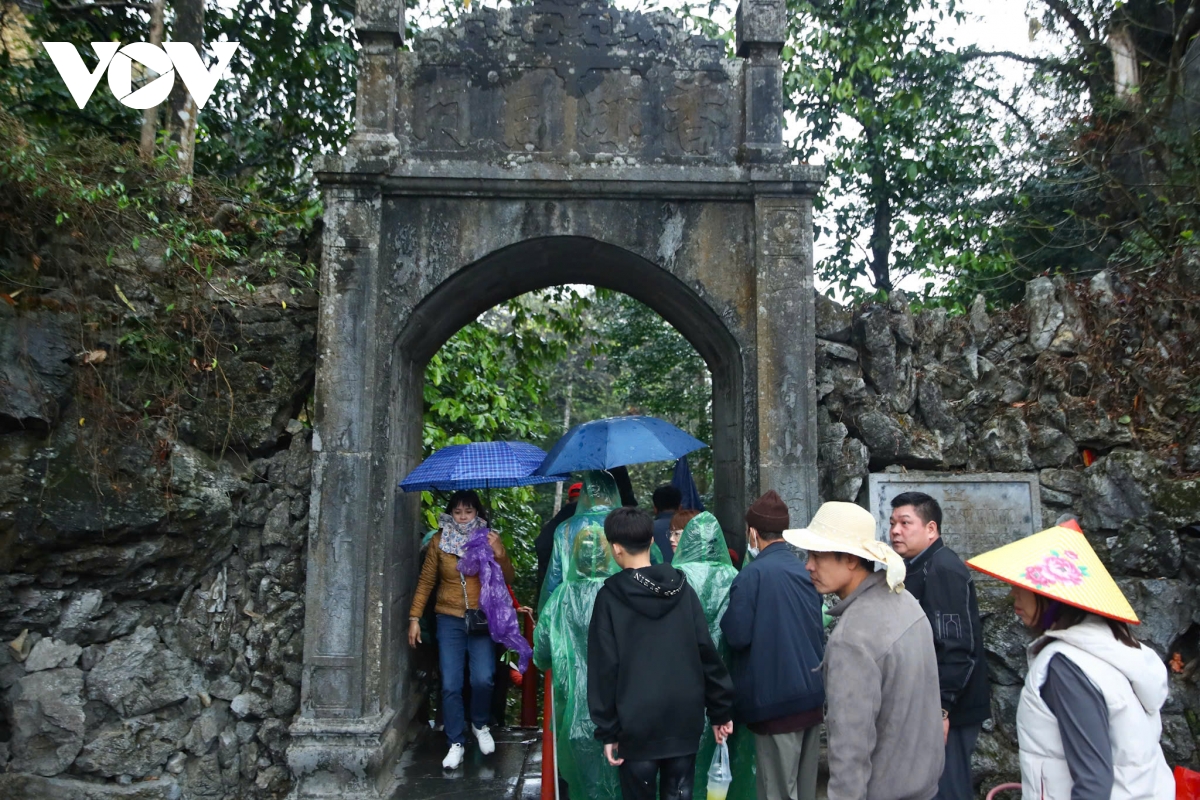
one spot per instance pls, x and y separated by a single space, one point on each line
560 142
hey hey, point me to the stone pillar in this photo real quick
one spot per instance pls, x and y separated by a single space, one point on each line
787 402
341 737
761 28
380 28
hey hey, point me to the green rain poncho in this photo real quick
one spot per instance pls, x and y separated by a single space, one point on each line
703 557
599 496
560 643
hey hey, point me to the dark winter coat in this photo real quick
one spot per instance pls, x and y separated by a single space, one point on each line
943 586
652 666
773 626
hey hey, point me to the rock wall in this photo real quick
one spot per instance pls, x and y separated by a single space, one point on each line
152 582
1090 387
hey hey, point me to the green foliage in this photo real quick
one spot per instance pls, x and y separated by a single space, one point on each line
906 135
656 371
1111 174
31 88
85 225
286 96
487 383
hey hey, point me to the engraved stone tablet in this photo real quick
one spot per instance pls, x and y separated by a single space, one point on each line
979 512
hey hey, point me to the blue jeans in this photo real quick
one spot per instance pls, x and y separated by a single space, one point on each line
454 645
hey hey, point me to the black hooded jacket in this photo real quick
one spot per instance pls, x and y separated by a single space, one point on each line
652 668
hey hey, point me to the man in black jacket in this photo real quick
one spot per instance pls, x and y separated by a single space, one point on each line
773 626
942 584
650 718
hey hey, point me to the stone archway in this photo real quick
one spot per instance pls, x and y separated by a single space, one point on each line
561 142
541 262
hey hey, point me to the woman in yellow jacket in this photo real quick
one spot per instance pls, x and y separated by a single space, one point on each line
455 594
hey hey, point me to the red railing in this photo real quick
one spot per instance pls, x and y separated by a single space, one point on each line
549 773
529 716
529 684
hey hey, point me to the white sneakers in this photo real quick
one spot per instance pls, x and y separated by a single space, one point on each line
454 758
487 745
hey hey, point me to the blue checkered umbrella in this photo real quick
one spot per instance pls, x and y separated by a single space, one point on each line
479 465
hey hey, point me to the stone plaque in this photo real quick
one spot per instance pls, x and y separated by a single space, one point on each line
979 512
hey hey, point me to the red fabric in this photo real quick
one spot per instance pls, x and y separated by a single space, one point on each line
1187 784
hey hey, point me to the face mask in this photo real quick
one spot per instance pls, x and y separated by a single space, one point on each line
752 550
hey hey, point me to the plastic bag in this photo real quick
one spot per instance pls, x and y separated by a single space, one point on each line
719 774
1187 784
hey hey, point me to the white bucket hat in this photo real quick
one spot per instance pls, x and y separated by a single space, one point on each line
848 528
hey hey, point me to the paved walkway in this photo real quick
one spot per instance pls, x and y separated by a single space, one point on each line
513 772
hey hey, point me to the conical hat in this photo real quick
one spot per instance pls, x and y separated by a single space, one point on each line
1060 564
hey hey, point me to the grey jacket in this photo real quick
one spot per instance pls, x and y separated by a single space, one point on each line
883 703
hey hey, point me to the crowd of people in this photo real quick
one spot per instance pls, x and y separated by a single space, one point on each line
662 649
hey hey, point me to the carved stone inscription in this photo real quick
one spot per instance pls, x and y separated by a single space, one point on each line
440 118
698 118
979 512
533 112
610 116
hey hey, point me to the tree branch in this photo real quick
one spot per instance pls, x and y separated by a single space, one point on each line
1077 26
105 4
971 54
1012 109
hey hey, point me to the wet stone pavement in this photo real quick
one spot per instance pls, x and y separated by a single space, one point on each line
513 772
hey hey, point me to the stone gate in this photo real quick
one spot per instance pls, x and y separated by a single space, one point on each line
564 141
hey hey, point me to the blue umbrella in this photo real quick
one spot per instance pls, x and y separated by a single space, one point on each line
479 465
616 442
682 480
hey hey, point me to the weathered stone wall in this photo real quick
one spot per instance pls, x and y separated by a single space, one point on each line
152 586
1095 370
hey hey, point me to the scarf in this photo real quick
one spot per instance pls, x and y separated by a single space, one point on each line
455 536
494 599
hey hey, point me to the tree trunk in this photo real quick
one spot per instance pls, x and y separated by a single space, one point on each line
880 198
558 487
181 116
150 116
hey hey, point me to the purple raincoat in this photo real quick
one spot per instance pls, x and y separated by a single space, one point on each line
494 599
